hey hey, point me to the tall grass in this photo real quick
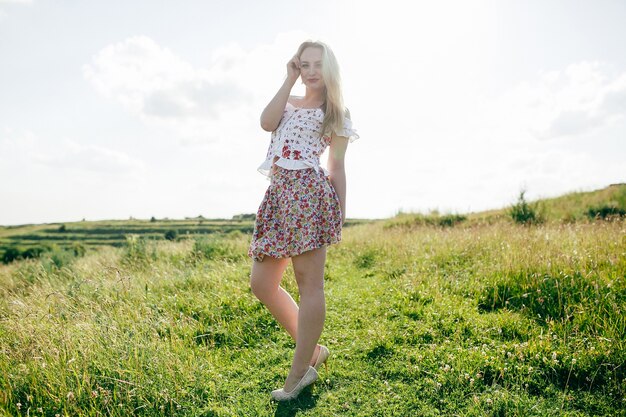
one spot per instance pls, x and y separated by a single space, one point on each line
474 320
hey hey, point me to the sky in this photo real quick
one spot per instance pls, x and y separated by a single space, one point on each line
120 109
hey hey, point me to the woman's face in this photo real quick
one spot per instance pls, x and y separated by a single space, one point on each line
311 67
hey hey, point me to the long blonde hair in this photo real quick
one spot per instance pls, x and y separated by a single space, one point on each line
334 111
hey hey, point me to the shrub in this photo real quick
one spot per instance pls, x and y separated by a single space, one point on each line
524 213
450 220
11 254
34 252
171 234
60 257
79 249
52 256
605 212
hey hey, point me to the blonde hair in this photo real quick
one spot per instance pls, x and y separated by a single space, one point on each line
334 111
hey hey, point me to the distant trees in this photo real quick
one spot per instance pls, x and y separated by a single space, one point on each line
241 217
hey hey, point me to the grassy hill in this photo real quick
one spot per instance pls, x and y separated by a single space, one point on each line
85 236
96 234
572 207
479 317
113 232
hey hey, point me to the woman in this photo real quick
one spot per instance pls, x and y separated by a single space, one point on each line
303 209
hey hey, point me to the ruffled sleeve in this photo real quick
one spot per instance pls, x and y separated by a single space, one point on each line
347 130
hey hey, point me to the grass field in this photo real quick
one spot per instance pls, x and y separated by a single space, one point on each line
481 318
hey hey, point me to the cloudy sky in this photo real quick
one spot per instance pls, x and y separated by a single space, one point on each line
113 109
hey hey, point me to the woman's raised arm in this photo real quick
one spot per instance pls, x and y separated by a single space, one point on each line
270 118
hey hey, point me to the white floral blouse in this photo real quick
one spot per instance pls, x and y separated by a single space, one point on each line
296 142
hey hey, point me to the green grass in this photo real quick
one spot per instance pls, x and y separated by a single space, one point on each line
567 208
95 234
478 319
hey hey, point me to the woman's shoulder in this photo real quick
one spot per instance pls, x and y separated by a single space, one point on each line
347 130
293 100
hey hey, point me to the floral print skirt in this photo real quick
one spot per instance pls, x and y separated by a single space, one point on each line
299 212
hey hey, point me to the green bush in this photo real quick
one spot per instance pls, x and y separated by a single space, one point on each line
171 234
35 251
61 257
79 249
525 213
605 212
11 254
450 220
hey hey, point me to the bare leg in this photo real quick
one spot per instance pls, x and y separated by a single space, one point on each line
309 270
265 284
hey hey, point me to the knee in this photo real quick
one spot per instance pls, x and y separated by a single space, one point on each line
309 283
260 288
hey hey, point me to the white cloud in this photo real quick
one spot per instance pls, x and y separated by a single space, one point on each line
75 156
579 99
199 105
23 148
152 82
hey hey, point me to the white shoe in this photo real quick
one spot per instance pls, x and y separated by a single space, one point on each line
321 358
308 378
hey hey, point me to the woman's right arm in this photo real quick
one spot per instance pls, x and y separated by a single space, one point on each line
270 118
